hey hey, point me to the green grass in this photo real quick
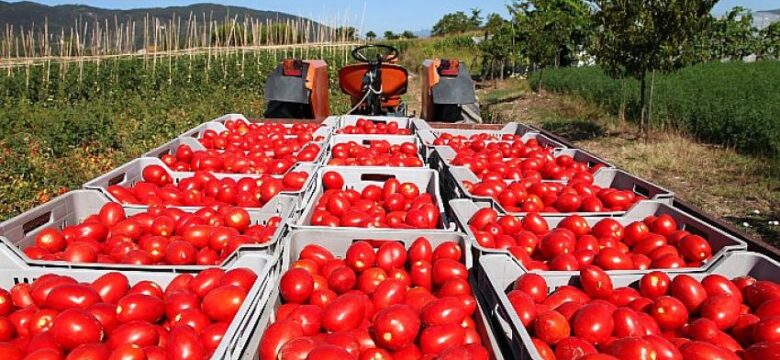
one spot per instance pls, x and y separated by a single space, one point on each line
731 104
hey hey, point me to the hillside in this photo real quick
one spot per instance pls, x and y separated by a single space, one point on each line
28 13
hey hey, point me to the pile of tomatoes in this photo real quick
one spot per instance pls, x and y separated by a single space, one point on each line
205 189
276 161
378 153
478 145
57 317
385 303
161 236
392 205
655 242
575 196
364 126
660 319
255 137
536 165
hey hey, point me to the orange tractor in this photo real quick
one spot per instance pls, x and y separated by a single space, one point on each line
298 89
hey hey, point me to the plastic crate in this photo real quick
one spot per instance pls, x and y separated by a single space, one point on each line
73 207
170 147
14 270
366 140
403 122
428 136
358 177
495 274
219 127
131 173
338 241
441 157
605 178
720 242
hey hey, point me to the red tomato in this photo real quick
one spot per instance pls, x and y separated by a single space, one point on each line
140 307
437 338
74 327
396 327
68 296
551 327
184 344
332 180
344 313
296 286
593 322
654 284
276 336
222 303
670 313
595 282
533 285
523 305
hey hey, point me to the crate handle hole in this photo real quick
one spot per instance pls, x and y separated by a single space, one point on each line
117 179
641 190
37 222
376 177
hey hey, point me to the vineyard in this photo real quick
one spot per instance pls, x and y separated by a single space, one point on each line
64 122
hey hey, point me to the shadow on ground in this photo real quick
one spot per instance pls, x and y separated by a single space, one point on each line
575 130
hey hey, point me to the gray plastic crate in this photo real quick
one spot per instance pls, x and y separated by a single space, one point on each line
366 140
14 270
721 242
358 177
495 274
338 241
131 173
170 148
428 136
73 207
413 124
605 178
224 118
197 132
441 156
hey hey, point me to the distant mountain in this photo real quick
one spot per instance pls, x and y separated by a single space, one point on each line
65 17
762 19
775 11
27 13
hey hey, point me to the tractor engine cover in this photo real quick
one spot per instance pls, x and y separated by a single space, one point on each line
453 88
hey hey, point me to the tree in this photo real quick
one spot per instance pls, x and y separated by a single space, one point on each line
498 48
769 42
635 37
475 21
370 35
455 23
408 35
549 30
389 35
493 24
733 36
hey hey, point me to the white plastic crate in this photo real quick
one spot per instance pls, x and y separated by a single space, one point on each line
605 178
496 273
14 270
366 140
131 173
358 177
721 242
337 242
73 207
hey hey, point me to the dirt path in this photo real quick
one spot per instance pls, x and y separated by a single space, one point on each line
742 189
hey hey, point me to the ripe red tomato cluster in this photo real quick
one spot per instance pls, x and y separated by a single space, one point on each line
655 242
204 189
159 236
385 303
393 205
534 166
275 161
363 126
56 317
378 153
659 319
577 195
254 137
490 146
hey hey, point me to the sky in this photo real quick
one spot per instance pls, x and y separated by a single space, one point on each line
376 15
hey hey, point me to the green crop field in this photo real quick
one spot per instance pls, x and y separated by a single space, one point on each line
62 124
733 104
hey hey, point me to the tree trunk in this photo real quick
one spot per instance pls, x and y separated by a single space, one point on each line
503 63
541 73
650 100
643 105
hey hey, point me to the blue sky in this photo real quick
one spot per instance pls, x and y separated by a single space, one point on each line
395 15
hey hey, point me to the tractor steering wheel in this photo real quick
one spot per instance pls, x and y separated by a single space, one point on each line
390 53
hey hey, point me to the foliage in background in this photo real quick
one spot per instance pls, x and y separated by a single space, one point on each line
733 104
550 30
636 37
458 23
